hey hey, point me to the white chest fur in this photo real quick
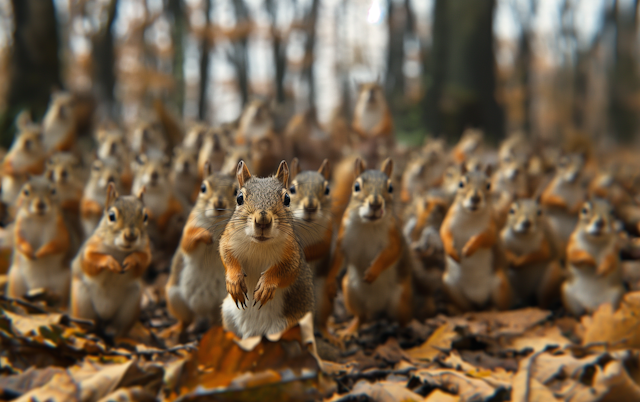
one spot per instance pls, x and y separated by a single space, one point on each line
202 281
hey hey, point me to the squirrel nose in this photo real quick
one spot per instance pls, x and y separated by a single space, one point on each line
310 206
110 179
130 235
475 198
64 174
526 224
219 203
154 175
185 166
263 221
376 205
40 205
113 149
599 223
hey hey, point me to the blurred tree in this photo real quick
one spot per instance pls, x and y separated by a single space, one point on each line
526 13
205 53
279 49
239 54
178 29
462 69
34 63
309 47
104 79
401 24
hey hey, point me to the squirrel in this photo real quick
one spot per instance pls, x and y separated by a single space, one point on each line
234 155
474 272
470 144
26 157
112 145
106 281
147 138
270 284
196 286
534 271
593 261
265 153
59 123
256 122
184 174
196 134
371 246
509 182
213 150
95 192
562 198
163 207
424 171
311 206
66 171
373 123
41 243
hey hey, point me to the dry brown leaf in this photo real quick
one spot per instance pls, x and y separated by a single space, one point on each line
455 382
526 388
30 325
61 387
440 341
494 324
384 391
390 352
440 396
615 330
538 339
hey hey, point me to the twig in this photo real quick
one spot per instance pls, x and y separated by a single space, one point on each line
186 346
44 311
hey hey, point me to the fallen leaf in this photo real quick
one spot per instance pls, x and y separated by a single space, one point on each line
440 341
526 388
61 387
455 382
440 396
614 330
383 391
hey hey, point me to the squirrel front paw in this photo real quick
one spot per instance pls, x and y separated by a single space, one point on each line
370 276
111 264
263 292
237 289
468 250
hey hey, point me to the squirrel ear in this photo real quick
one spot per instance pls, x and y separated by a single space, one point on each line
112 194
387 167
295 167
360 167
141 192
242 172
283 173
325 169
207 168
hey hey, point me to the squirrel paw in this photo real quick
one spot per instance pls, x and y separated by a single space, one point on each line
237 289
467 251
111 264
369 276
263 293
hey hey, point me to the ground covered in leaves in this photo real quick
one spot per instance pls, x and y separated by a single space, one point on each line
520 355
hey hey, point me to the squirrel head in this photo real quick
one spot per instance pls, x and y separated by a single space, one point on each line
28 140
372 192
147 135
512 176
61 108
111 143
38 197
124 223
151 172
596 219
103 173
262 204
213 150
473 189
195 136
185 161
256 119
310 192
569 167
371 94
525 216
218 193
65 170
451 179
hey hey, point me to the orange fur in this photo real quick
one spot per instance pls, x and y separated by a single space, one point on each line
23 246
319 250
447 239
137 262
280 275
608 263
57 246
90 208
174 208
236 286
577 256
552 200
486 239
387 257
540 255
192 236
405 310
93 261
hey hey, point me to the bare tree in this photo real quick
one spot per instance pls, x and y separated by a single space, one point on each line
239 55
104 79
205 52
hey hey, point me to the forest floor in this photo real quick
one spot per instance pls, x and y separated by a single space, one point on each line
519 355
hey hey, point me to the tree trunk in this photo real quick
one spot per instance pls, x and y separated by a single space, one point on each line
35 65
239 57
103 51
394 81
462 69
309 48
279 51
177 38
205 50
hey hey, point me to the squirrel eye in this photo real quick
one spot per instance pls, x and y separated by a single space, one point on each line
512 211
26 192
326 190
539 212
112 216
488 186
292 189
356 187
390 189
461 184
584 211
53 191
203 188
235 192
240 199
146 217
287 200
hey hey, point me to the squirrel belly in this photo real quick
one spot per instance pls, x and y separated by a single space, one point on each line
255 320
585 291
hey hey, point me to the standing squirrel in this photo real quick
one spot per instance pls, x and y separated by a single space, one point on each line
470 144
474 273
213 151
26 156
255 122
148 138
95 192
59 123
106 284
593 261
534 270
311 207
184 174
112 146
41 241
65 171
270 284
373 123
563 197
163 207
196 286
370 244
